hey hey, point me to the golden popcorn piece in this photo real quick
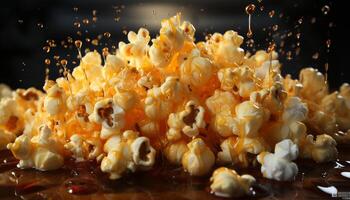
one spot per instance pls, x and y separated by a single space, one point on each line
41 152
127 152
5 91
227 183
322 149
186 122
6 138
199 159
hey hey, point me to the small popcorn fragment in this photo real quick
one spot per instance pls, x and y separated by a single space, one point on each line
279 165
199 159
127 152
227 183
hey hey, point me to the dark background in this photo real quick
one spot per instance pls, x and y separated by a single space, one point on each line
26 25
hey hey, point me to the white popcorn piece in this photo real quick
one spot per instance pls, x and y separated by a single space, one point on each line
5 91
109 115
279 166
40 152
188 121
175 151
127 152
228 183
196 70
322 149
199 159
173 89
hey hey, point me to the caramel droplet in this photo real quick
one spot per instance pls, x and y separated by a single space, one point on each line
325 9
47 61
107 34
46 49
271 13
64 62
271 48
78 43
250 9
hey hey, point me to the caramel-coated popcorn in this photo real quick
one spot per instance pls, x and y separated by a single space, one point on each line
198 104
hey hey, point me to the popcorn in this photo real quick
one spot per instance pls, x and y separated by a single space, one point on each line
113 66
136 51
234 150
227 183
279 166
174 152
41 152
109 115
169 94
6 138
314 87
188 121
5 91
250 117
127 152
196 70
225 49
323 149
55 100
239 80
199 159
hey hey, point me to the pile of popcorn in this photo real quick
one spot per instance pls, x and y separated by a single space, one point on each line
199 104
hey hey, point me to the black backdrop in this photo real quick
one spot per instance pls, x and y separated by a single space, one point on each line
26 25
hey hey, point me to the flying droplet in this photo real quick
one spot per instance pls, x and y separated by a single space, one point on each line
78 43
77 24
75 9
94 42
107 34
315 56
250 9
328 43
20 21
46 49
47 61
275 27
272 13
325 9
86 21
271 48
